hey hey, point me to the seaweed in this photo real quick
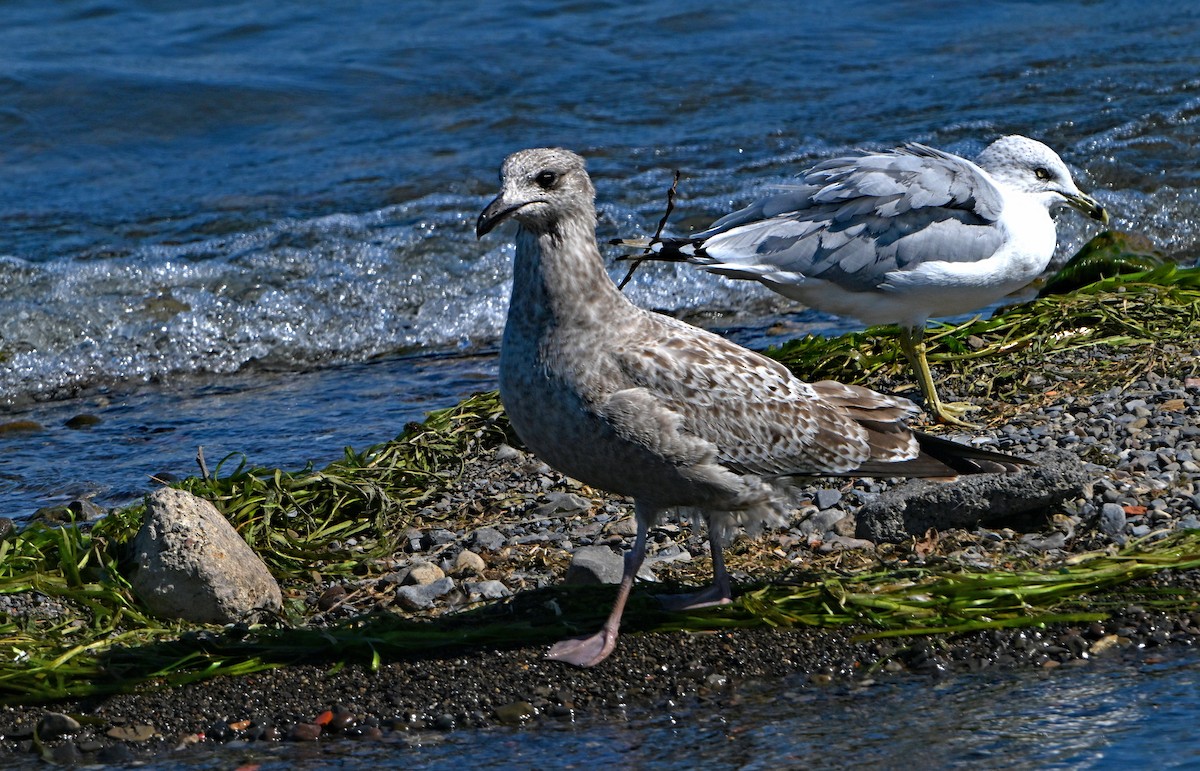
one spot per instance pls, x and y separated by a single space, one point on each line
344 520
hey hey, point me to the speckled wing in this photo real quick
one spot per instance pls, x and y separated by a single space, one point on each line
760 417
853 220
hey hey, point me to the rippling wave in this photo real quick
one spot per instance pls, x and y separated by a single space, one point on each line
189 193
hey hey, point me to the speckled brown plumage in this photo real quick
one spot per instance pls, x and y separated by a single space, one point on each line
650 407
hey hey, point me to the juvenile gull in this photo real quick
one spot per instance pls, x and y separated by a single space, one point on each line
898 237
650 407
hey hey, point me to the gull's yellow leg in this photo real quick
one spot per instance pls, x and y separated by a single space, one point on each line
912 342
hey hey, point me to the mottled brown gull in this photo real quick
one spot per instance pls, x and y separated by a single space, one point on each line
898 237
676 417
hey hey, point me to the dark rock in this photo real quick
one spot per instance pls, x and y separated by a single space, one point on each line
190 563
304 732
1015 500
488 539
65 754
55 724
82 421
331 597
85 511
115 754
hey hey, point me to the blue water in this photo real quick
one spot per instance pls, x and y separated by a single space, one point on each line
203 203
247 226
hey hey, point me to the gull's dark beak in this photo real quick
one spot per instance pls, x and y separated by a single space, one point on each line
1088 205
492 215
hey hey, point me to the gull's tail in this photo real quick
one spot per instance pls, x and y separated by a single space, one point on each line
942 458
664 249
965 459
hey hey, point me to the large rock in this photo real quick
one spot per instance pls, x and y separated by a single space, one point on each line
191 564
595 565
1015 500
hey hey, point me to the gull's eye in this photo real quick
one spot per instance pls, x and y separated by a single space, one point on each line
1042 173
546 179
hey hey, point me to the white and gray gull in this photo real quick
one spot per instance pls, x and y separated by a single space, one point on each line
675 417
898 237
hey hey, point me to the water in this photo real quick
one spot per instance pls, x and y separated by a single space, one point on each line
1107 715
247 226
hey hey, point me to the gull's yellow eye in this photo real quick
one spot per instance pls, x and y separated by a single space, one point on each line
1042 173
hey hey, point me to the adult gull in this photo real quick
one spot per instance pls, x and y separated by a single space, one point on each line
898 237
675 417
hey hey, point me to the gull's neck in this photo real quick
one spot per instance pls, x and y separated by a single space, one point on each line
559 278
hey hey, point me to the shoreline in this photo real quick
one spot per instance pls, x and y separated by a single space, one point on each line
520 521
416 700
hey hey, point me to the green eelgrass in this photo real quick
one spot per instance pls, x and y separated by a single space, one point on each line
338 519
885 602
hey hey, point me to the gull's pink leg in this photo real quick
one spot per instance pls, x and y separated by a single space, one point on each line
720 593
589 651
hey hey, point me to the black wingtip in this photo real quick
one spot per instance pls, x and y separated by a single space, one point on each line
965 459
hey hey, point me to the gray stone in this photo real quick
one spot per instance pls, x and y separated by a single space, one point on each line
595 565
822 522
488 539
562 505
190 563
626 526
1015 500
827 498
507 452
490 590
421 597
1112 518
1189 522
842 543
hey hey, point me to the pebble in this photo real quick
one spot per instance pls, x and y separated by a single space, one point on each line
468 563
827 498
425 573
595 565
137 732
304 732
488 539
423 596
55 724
515 713
1112 518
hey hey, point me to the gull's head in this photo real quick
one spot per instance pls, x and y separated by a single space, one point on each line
538 188
1028 166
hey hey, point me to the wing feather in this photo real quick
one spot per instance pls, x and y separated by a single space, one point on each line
898 208
760 417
